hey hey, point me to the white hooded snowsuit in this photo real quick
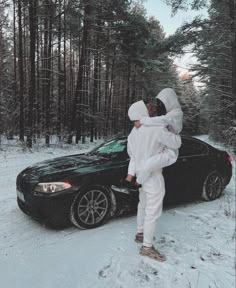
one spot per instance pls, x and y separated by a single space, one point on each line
174 121
143 143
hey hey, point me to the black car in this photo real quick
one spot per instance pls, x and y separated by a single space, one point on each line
79 188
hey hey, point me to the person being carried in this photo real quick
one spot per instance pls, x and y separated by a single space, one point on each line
172 118
143 143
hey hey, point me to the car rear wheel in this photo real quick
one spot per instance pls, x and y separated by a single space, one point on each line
91 207
212 186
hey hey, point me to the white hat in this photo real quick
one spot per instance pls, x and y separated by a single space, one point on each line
137 110
169 99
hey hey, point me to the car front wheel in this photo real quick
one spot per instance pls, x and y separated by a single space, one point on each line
91 207
212 186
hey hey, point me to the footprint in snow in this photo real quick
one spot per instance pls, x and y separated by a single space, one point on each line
104 272
145 272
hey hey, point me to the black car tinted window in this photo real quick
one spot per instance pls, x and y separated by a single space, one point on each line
112 149
192 147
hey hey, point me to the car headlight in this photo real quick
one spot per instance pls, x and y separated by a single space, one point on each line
52 187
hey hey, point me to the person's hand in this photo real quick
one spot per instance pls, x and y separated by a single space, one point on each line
129 178
137 124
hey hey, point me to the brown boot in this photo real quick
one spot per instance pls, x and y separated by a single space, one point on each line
153 253
138 238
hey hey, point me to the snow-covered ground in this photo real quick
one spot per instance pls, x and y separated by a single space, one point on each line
198 240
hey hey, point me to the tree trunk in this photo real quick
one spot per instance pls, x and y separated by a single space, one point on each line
21 73
77 117
32 89
94 96
107 79
38 103
127 100
48 52
48 94
65 100
233 30
70 93
109 95
15 52
1 80
60 78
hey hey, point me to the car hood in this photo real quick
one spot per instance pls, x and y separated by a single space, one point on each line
65 167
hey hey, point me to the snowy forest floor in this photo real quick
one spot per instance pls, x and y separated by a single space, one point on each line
197 238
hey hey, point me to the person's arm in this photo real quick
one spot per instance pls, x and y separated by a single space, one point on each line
154 121
169 139
131 167
174 119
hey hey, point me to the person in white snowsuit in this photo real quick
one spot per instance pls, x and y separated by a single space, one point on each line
143 143
173 120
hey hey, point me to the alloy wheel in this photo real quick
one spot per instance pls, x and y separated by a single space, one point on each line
213 186
92 207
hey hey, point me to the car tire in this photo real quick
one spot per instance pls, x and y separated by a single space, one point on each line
212 186
91 207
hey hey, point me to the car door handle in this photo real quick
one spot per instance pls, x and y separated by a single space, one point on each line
184 160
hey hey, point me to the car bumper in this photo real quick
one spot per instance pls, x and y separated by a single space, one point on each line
54 209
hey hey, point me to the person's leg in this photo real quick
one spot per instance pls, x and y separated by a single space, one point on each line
155 191
157 162
141 210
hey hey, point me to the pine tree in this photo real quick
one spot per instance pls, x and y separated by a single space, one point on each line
78 65
213 42
190 103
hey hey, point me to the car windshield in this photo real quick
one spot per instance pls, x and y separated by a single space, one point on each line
111 149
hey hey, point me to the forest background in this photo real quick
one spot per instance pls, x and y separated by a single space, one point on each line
71 68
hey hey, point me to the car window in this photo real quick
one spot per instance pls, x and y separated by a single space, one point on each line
191 147
112 149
